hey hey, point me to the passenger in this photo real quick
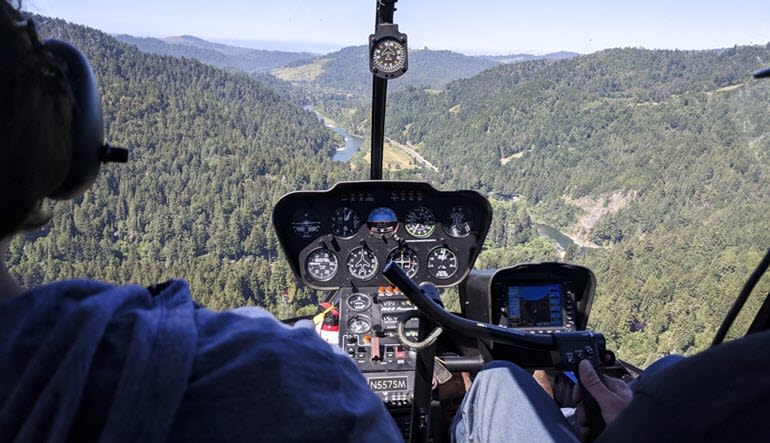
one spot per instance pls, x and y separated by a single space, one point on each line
82 360
719 395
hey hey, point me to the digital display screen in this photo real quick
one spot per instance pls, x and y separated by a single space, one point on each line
534 305
381 384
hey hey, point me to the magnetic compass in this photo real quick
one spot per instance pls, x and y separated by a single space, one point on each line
388 53
389 56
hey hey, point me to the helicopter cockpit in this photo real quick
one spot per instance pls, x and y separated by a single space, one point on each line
369 242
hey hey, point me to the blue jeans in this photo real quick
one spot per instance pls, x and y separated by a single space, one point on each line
505 404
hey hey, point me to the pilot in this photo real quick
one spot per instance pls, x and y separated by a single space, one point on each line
83 360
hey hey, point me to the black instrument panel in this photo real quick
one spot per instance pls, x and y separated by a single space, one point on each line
344 236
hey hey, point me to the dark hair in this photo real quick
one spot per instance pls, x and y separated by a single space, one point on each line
36 108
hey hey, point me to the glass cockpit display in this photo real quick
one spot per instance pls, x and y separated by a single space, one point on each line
536 305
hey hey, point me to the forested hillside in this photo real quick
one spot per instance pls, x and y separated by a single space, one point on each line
216 54
347 71
211 152
677 139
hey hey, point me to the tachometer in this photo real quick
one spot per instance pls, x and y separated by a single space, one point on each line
442 263
321 264
362 263
345 222
407 259
420 222
382 222
458 222
359 324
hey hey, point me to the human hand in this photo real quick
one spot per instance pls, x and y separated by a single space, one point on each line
612 396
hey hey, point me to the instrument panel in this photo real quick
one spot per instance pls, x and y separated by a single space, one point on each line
344 236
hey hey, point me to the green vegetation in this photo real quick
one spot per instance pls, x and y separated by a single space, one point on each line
211 152
347 71
216 54
679 137
682 134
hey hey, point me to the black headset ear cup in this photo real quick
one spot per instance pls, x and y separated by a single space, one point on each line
87 133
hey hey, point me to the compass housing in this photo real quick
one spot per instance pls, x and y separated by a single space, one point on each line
388 52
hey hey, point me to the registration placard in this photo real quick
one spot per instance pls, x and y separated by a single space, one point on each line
381 384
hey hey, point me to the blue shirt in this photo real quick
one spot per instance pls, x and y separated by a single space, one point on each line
86 361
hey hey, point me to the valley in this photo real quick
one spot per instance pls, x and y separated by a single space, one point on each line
649 166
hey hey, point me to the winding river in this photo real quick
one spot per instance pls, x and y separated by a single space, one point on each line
352 142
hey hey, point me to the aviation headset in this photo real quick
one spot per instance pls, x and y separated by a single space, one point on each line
88 149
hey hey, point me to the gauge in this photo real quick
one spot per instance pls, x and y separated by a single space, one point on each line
362 263
345 222
382 222
306 223
359 302
442 263
407 259
389 55
458 222
321 264
420 222
359 324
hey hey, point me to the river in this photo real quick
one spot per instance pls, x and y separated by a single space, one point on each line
563 240
352 142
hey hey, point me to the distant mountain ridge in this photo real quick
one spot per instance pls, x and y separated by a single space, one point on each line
516 58
216 54
347 70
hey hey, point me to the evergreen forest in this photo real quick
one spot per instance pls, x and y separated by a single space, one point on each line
655 163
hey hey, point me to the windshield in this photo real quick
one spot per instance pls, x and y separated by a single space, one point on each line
627 138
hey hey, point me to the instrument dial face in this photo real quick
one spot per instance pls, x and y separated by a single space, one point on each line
407 259
458 222
389 55
321 264
362 263
420 222
442 263
345 222
305 223
359 302
359 324
382 222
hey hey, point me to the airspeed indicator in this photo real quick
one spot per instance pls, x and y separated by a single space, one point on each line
420 222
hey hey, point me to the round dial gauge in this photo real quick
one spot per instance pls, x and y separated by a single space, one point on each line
359 302
305 223
442 263
458 222
407 259
362 263
345 222
420 222
382 222
359 324
321 264
389 55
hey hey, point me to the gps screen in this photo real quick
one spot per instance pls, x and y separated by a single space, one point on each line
536 305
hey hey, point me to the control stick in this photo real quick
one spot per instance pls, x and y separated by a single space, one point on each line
567 348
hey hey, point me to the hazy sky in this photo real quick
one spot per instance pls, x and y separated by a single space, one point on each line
481 26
